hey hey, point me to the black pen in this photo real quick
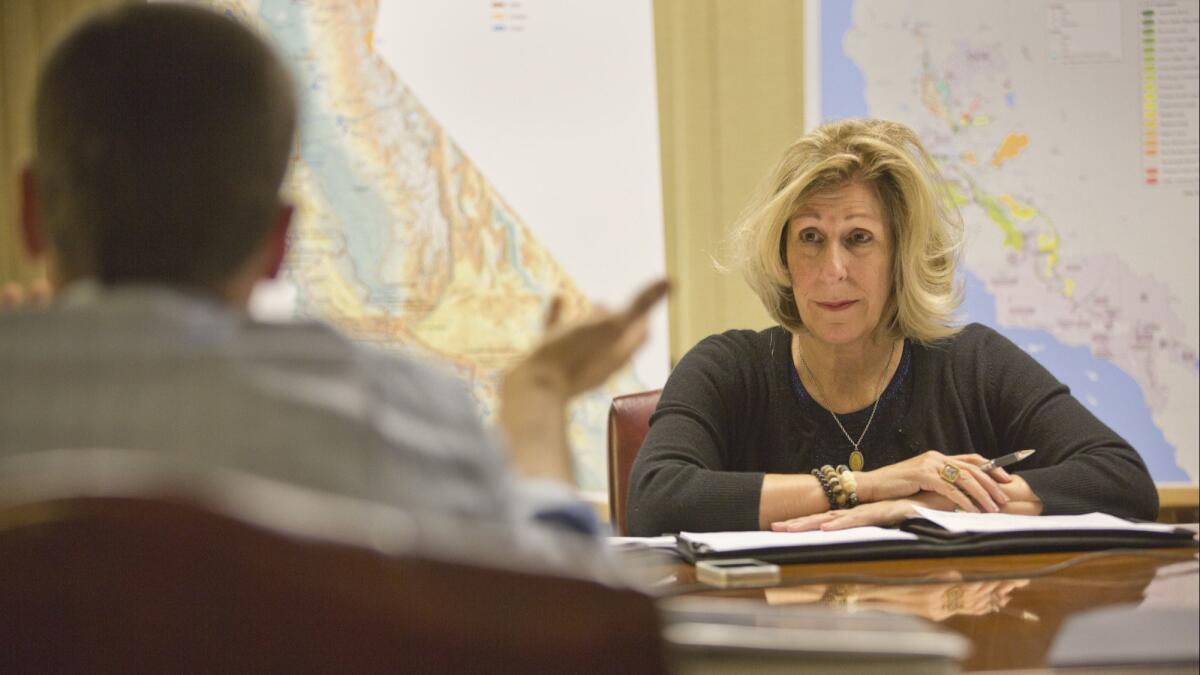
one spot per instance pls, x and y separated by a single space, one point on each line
1011 458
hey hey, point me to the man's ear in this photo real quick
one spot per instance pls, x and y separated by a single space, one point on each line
276 245
32 236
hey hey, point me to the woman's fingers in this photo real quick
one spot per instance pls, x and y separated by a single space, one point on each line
877 513
970 485
965 485
954 494
804 523
885 512
955 491
969 480
853 518
998 474
993 489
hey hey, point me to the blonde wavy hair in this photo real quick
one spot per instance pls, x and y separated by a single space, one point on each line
925 227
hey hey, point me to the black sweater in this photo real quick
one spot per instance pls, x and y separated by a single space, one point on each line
732 412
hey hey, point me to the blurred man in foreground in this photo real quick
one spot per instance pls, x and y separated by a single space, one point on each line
162 138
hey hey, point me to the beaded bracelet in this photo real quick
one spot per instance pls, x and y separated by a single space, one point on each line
835 485
826 487
849 484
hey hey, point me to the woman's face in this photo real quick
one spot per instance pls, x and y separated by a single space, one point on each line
839 255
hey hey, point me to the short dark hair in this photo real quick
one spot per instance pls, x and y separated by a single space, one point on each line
162 138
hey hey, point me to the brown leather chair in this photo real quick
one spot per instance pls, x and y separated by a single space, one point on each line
628 422
148 585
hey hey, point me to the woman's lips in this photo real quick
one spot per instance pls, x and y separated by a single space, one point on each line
836 306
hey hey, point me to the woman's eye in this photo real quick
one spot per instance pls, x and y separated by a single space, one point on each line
860 237
809 236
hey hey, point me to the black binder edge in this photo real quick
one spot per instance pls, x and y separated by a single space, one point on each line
935 542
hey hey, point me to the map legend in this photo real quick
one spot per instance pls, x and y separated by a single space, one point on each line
1169 36
507 16
1082 32
1149 100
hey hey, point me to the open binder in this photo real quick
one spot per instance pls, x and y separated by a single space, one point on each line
938 534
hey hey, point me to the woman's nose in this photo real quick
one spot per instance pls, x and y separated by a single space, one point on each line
833 263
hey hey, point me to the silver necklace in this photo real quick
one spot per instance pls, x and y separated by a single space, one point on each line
856 456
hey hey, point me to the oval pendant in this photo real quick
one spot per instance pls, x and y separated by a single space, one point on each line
856 461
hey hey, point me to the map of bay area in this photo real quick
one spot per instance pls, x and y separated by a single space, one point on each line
399 240
1080 195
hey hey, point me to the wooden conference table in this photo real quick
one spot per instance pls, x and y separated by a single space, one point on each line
1010 622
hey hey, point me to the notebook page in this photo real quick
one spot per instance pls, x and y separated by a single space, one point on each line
961 521
727 542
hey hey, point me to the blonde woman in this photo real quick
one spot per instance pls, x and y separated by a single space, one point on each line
866 399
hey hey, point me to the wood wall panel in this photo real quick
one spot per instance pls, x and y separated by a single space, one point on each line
730 84
28 29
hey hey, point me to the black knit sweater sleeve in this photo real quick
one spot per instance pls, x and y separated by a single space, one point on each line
1081 465
685 477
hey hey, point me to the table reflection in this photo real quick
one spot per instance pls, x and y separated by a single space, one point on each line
1011 622
935 601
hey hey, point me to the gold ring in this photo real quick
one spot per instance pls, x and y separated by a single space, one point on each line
949 473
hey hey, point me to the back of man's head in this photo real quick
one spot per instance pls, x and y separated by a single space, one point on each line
162 138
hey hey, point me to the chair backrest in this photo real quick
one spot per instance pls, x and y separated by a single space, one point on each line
133 585
628 422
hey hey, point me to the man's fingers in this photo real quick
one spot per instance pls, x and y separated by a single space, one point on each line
627 338
608 359
12 295
589 351
553 313
40 293
633 338
646 299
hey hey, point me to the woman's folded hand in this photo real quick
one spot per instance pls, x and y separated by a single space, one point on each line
955 477
887 512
